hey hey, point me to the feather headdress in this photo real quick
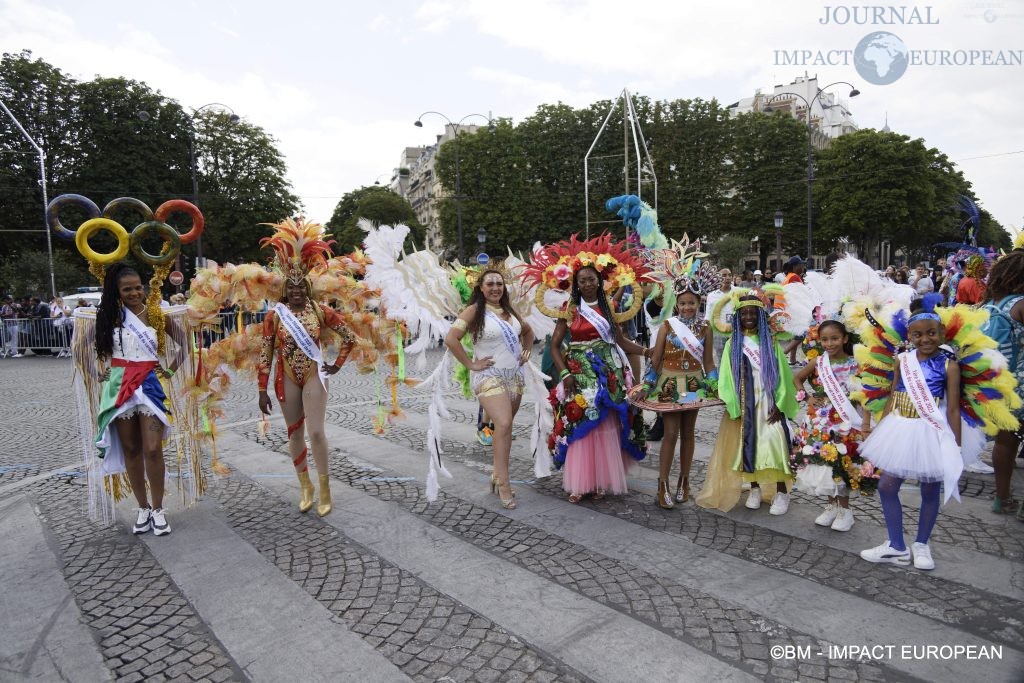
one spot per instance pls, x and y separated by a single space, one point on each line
299 247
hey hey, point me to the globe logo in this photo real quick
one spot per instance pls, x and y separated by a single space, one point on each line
881 58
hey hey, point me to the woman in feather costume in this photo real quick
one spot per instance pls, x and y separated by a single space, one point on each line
502 343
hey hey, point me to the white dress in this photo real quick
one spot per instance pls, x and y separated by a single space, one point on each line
506 375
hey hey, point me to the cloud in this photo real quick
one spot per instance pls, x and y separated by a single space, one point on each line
532 90
435 16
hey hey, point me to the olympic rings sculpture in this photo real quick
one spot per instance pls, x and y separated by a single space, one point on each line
152 222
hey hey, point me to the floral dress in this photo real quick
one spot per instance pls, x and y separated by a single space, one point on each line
825 454
595 429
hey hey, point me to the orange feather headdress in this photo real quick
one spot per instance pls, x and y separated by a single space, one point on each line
299 247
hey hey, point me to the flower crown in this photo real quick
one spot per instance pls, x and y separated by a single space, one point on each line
554 266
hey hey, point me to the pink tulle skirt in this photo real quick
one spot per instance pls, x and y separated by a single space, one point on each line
597 461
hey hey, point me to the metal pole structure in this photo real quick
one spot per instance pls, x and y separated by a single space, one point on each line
778 240
586 170
42 178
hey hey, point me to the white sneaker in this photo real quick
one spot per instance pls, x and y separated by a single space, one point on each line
886 554
160 525
843 520
16 355
143 521
754 498
780 504
979 467
828 516
922 556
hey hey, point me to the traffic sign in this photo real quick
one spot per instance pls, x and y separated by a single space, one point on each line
482 258
176 278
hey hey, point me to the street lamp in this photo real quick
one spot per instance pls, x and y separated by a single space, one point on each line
481 237
810 153
42 181
458 172
778 239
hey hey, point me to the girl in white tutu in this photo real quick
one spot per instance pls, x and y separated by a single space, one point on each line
919 435
827 443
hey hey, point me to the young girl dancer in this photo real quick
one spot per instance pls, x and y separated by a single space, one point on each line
757 387
683 353
830 433
918 437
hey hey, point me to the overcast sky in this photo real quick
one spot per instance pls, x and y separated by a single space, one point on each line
338 84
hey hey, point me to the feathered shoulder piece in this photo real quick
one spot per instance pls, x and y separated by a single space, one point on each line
299 247
987 396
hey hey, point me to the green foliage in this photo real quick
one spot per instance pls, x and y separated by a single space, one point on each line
27 272
98 145
729 252
381 206
874 184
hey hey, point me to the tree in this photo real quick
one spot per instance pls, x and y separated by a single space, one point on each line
729 251
769 173
27 271
882 185
381 206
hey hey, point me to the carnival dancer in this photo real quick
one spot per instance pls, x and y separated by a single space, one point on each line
827 439
133 417
1006 327
919 435
682 365
126 353
502 343
293 328
596 432
753 441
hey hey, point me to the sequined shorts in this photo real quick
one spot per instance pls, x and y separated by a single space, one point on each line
494 381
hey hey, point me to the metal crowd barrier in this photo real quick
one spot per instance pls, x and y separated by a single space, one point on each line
40 336
52 336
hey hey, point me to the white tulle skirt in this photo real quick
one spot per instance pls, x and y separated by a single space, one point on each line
910 448
972 443
818 480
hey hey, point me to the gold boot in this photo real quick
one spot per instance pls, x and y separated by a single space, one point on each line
664 497
324 507
305 492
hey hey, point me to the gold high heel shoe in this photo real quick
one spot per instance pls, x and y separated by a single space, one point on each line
305 492
664 497
682 489
507 503
325 506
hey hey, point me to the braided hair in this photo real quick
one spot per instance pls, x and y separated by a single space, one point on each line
1006 276
602 299
769 362
109 315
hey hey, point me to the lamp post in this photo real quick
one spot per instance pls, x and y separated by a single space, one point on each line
810 153
458 172
42 182
778 239
481 237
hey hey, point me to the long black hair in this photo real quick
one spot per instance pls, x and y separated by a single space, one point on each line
602 300
109 315
476 325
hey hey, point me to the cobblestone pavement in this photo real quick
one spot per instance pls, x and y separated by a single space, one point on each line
423 632
147 628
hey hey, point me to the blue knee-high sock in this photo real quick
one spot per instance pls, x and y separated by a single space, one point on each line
929 510
889 494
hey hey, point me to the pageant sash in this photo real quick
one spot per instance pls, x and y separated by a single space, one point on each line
147 339
836 394
690 342
603 327
512 342
753 353
302 340
920 394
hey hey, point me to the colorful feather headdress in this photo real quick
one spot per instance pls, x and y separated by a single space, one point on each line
553 267
679 269
299 247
